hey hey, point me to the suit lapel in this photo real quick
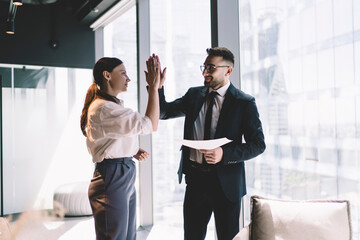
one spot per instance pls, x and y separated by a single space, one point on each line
225 110
193 111
198 103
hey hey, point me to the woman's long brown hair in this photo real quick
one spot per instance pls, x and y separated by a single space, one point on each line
103 64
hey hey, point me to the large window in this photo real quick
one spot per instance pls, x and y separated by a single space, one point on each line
43 146
180 34
120 42
298 59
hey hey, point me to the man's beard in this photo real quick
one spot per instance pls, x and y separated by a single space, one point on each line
208 83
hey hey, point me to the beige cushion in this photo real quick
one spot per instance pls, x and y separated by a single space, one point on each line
273 219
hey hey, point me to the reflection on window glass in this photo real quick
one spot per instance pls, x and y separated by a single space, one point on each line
42 140
306 96
120 42
180 34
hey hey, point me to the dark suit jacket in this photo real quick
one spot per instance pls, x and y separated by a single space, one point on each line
238 118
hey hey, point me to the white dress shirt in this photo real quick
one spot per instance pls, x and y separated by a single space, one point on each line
112 130
198 133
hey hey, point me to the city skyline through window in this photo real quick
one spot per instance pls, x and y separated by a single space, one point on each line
298 59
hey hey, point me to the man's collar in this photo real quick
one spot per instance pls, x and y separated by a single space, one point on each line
221 91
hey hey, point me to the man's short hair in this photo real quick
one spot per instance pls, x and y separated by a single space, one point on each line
223 52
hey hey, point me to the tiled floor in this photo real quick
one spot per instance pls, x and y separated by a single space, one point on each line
32 227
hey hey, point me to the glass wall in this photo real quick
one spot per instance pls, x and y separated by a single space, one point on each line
180 34
298 59
43 146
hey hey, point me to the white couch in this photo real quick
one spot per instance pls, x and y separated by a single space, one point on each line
72 199
275 219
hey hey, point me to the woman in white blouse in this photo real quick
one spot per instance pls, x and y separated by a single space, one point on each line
111 132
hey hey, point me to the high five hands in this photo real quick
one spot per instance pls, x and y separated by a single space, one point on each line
154 75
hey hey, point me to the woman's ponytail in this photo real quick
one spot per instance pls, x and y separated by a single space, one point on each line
90 97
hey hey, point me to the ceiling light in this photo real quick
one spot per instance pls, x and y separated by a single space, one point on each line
10 27
18 2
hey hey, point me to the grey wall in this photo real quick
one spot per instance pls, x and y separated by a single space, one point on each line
35 26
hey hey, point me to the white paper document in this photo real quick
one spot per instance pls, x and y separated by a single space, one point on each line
205 144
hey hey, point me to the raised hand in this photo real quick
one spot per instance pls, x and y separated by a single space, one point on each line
162 72
153 72
153 80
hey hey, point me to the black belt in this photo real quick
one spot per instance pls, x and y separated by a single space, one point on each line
202 167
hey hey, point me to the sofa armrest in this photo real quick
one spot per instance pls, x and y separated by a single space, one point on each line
244 234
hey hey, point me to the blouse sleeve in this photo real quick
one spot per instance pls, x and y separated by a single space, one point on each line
118 121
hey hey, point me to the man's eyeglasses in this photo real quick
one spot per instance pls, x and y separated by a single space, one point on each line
210 68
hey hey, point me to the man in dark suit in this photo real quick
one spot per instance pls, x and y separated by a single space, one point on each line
215 179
